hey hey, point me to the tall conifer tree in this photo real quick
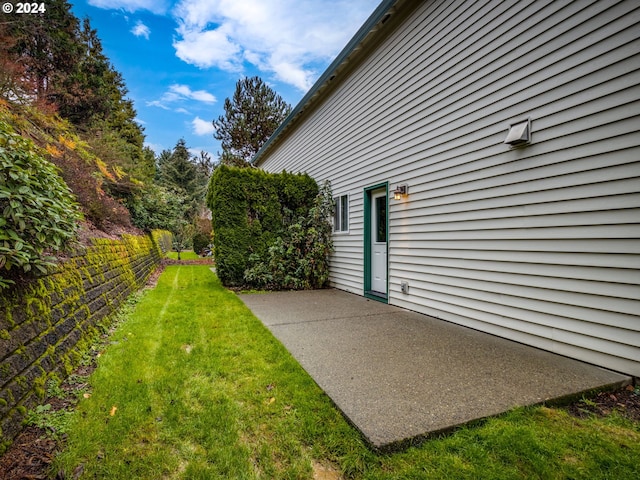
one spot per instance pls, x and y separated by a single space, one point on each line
251 116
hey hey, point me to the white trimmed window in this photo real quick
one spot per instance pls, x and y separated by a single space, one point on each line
341 215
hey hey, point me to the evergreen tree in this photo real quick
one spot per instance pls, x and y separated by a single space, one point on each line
147 169
161 162
251 116
59 60
204 166
45 45
83 91
186 177
178 171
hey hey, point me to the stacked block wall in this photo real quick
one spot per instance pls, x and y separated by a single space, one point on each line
45 324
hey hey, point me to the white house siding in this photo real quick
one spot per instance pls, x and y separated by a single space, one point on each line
538 244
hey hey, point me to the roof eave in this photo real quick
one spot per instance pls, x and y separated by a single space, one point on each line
370 26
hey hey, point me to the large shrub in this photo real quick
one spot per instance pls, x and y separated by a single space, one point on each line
251 209
38 213
299 258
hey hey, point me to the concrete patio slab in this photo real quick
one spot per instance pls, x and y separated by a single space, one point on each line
399 376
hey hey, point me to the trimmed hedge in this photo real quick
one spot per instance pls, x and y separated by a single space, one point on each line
299 259
251 209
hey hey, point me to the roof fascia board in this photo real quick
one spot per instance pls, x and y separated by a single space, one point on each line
329 74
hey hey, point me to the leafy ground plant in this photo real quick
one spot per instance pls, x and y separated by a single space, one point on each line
193 386
54 422
38 214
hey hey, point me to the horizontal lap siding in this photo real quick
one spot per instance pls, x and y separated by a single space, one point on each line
539 244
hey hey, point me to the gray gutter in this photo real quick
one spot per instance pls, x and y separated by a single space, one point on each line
330 73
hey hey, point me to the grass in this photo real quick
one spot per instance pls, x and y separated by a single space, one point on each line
194 387
184 255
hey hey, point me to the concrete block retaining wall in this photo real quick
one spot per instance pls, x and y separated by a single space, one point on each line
45 325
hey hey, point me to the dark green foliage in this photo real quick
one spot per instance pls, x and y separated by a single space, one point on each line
299 259
251 209
87 87
178 170
62 63
250 118
37 211
44 45
200 242
156 207
186 176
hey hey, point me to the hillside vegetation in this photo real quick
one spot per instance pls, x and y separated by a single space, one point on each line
60 94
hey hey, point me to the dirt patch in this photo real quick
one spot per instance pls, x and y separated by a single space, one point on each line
32 453
325 471
29 457
194 261
625 401
87 232
152 280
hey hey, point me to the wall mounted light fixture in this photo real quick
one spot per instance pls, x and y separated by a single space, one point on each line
519 133
401 191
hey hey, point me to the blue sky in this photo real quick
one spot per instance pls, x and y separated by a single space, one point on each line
181 59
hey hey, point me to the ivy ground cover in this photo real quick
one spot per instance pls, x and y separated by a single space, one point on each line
193 386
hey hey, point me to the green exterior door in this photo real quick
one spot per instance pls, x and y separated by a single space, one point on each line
376 242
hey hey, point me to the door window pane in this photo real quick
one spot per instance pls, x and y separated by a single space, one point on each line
381 219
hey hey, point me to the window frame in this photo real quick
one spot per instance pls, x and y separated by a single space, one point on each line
341 215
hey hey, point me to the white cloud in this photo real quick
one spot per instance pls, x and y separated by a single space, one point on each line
157 103
141 30
209 48
202 127
159 7
285 38
181 93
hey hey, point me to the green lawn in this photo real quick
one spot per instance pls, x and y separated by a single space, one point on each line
184 255
194 387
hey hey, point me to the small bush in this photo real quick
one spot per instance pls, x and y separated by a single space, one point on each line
38 212
200 242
